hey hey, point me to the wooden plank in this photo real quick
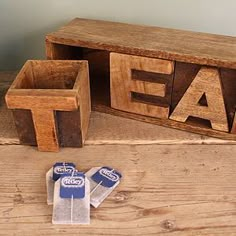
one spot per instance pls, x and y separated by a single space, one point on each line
46 133
165 190
84 99
206 83
55 99
69 128
123 85
109 129
228 80
149 41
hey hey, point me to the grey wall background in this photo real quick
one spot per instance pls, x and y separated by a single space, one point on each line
24 23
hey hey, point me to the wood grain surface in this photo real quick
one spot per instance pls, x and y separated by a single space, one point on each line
228 80
46 132
206 85
165 190
171 44
123 85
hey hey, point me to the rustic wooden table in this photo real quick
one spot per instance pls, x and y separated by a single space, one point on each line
182 188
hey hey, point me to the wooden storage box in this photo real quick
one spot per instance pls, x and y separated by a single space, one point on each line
179 79
50 101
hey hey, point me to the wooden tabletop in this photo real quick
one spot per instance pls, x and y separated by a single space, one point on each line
171 190
179 45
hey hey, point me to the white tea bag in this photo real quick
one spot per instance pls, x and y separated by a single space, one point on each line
54 174
103 180
71 200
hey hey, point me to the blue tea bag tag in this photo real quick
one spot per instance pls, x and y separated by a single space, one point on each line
72 185
62 167
106 177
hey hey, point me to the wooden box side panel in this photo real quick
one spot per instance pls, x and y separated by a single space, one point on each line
69 128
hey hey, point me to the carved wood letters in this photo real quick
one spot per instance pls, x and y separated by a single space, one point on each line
145 85
132 92
205 85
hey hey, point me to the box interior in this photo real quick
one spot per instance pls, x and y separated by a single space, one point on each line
48 75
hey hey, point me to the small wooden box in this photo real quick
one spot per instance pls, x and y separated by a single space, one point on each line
51 105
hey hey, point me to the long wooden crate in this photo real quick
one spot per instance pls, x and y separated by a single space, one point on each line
180 79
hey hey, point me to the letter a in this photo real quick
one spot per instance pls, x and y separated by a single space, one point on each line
207 83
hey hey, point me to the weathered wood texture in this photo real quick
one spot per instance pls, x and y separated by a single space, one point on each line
124 85
165 190
204 99
171 44
45 88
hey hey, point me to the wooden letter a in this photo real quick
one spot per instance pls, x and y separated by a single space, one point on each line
207 83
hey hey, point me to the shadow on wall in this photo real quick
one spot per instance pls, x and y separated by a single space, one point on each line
17 50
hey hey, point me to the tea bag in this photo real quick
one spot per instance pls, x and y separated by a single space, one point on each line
54 174
71 199
103 180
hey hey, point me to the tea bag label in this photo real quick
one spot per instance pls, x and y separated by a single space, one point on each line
106 177
61 168
72 185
